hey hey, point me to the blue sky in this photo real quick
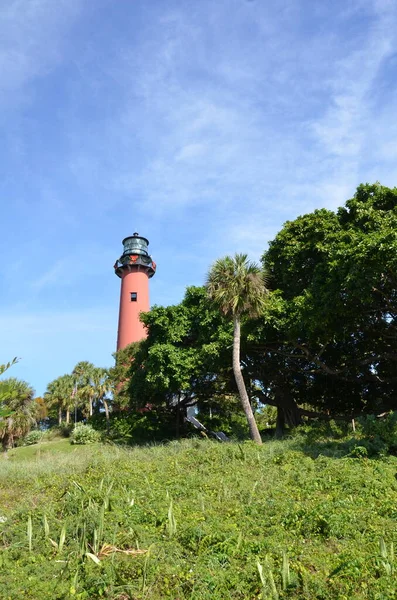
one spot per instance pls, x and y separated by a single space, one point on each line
203 125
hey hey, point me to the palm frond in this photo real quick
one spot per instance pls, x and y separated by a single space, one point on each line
237 285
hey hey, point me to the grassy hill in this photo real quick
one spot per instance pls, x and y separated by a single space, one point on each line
196 519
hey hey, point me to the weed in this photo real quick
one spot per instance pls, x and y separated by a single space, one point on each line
171 520
387 557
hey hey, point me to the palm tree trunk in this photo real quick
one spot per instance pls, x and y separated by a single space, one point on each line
253 427
90 407
8 439
67 416
60 416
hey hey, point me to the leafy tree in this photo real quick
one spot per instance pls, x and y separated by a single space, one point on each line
41 408
119 376
183 361
4 412
336 329
237 286
16 400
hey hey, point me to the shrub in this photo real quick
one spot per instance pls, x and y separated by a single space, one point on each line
138 427
143 427
33 437
84 434
56 431
359 452
381 432
121 431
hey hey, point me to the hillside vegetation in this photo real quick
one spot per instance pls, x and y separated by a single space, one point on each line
197 519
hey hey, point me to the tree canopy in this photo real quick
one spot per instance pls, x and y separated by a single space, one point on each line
183 361
336 324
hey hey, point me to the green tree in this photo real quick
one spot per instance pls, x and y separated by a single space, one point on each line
4 412
184 361
82 374
120 375
336 332
102 387
237 286
60 395
19 410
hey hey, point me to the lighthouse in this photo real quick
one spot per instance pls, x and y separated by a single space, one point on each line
135 267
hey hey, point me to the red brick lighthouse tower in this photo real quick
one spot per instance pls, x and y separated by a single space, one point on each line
135 267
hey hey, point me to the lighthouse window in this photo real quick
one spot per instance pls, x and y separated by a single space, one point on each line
134 296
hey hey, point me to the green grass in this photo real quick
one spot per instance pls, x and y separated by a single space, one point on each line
41 449
196 519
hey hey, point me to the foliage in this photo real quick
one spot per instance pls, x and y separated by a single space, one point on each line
59 431
60 396
380 431
91 385
82 381
195 519
18 410
183 361
41 409
237 287
33 437
84 390
3 368
119 375
137 427
329 336
84 434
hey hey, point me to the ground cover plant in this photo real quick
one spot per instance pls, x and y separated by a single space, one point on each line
197 519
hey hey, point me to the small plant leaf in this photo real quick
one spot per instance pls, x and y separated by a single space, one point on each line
93 557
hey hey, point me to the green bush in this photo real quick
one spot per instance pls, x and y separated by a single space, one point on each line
84 434
380 432
358 451
33 437
121 430
138 427
63 430
233 424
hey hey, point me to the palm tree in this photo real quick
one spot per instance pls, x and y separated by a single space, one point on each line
59 393
102 385
82 374
18 410
238 287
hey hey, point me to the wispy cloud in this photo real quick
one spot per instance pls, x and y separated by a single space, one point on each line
50 277
258 132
